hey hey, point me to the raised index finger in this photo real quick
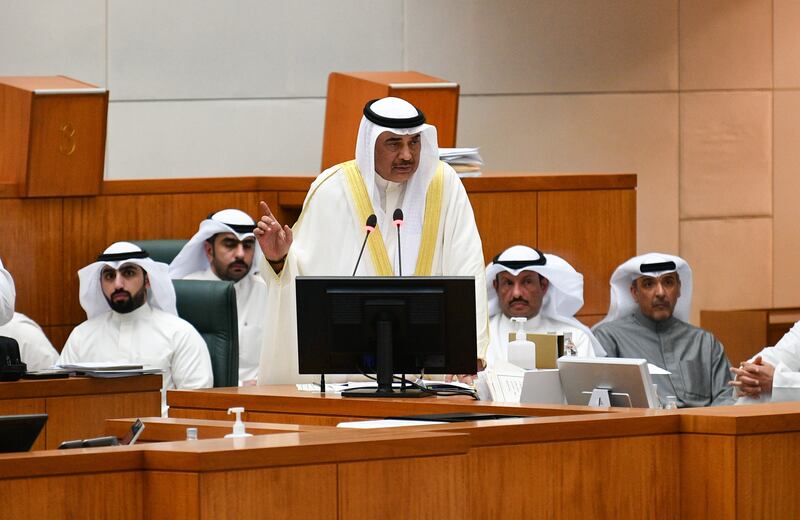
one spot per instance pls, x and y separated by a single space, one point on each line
265 210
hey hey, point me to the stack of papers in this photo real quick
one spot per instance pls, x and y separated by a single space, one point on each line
101 369
467 162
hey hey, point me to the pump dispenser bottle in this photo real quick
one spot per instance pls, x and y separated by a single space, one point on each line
522 351
238 426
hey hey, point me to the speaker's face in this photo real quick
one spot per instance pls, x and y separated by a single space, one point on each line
397 156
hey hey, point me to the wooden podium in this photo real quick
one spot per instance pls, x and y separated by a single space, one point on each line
348 92
53 131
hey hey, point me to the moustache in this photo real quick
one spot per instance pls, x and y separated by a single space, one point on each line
518 300
238 263
120 291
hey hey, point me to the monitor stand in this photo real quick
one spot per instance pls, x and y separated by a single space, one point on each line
384 372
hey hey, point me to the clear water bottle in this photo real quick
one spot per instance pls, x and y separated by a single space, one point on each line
671 403
569 346
191 434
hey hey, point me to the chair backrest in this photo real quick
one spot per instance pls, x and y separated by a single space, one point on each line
162 250
211 307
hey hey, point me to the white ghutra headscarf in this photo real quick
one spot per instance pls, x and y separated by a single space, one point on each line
160 294
192 257
651 264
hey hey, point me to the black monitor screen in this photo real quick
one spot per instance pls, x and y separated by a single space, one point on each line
430 320
19 432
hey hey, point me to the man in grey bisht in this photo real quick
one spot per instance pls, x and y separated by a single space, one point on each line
651 296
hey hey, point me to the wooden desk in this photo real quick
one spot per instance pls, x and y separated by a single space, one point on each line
308 474
558 213
78 407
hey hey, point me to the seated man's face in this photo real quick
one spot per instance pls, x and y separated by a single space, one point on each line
230 258
125 288
397 156
520 296
657 296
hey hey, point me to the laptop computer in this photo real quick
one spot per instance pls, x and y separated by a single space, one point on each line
19 432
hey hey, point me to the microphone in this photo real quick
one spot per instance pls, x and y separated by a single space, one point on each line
397 217
369 227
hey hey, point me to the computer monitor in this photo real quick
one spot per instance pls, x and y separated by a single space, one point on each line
386 325
622 382
19 432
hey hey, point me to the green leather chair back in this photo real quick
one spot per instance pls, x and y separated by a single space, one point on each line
162 250
211 307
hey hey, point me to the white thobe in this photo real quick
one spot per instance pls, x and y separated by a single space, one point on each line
146 336
500 326
327 240
785 357
8 295
35 349
251 307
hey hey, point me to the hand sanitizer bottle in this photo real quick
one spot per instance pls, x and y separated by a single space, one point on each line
569 346
521 351
238 426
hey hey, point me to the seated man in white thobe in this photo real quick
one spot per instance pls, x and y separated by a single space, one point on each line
130 305
223 249
773 368
396 167
8 295
523 282
651 296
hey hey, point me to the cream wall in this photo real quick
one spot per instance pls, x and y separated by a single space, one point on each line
700 98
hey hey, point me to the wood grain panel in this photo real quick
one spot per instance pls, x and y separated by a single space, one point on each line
68 143
79 417
280 493
15 106
278 417
631 477
406 487
58 335
742 333
595 231
33 253
171 495
766 476
100 495
708 483
504 220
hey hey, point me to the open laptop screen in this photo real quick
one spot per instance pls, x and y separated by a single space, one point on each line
19 432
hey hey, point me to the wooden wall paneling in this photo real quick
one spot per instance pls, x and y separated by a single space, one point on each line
626 477
58 335
708 476
406 487
279 493
33 252
505 219
26 406
115 495
742 333
765 477
172 495
93 410
594 230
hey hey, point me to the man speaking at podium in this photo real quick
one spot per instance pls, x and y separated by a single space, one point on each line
396 167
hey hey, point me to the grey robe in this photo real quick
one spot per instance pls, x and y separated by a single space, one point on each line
696 359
